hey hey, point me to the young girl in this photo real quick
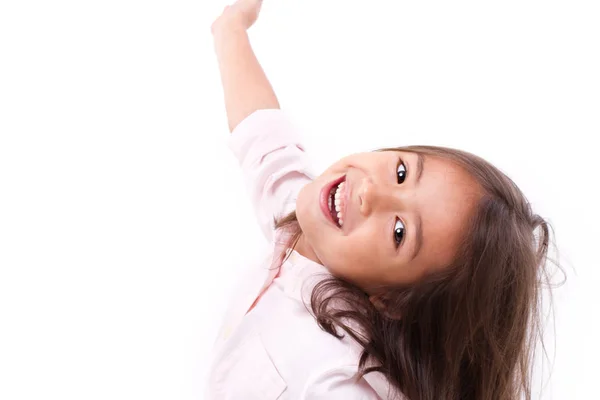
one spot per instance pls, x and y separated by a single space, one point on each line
401 273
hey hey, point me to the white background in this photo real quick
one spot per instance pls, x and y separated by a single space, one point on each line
123 216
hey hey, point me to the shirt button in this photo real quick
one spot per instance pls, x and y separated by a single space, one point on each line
227 332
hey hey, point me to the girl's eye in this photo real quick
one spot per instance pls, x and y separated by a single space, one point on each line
401 172
398 232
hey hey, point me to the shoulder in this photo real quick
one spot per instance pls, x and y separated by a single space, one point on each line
315 364
262 132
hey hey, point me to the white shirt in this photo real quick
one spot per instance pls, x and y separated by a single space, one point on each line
277 350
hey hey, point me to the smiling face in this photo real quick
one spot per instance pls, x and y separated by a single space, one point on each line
401 215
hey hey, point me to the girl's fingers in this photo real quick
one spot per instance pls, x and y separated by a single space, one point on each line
245 10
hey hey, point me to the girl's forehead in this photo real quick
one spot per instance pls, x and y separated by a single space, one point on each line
396 153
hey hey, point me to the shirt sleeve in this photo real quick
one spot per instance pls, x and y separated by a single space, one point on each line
339 384
273 162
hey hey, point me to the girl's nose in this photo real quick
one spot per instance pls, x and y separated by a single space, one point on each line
368 194
364 196
377 196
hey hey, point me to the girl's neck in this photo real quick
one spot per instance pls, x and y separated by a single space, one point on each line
304 249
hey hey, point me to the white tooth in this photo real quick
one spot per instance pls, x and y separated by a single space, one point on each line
337 207
341 222
338 201
337 194
339 215
329 202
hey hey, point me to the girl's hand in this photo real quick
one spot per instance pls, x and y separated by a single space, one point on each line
242 15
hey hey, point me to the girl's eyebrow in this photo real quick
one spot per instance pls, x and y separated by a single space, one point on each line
420 166
418 238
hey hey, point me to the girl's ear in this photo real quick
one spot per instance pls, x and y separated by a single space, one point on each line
380 303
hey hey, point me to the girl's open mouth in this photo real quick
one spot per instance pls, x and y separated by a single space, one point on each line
332 201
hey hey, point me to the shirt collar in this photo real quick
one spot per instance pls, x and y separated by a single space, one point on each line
299 275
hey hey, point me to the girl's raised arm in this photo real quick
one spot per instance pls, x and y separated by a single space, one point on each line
245 84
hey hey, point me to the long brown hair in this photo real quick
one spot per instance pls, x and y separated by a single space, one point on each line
469 331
